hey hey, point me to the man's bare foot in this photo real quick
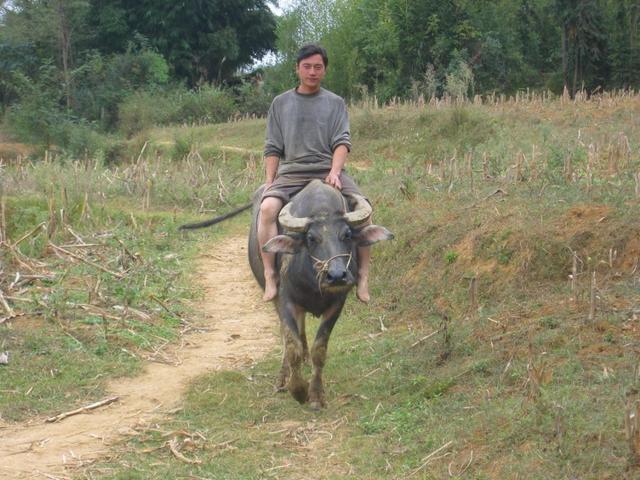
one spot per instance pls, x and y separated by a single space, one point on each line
270 287
362 290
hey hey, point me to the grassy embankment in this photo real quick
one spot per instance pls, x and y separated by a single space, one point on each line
480 357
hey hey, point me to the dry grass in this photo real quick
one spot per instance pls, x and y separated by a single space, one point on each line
91 268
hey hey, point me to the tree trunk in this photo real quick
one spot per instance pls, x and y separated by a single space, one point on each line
65 51
565 54
576 68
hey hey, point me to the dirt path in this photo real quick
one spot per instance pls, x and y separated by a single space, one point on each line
240 329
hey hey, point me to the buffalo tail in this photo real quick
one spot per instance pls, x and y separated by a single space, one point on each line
213 221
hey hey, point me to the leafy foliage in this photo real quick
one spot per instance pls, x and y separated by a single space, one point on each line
388 47
203 40
144 110
71 66
103 64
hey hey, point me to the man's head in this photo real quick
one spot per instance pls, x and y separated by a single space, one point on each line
310 50
311 67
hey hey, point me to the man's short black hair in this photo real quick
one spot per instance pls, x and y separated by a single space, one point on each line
312 49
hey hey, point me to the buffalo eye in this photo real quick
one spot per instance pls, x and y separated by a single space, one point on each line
311 239
347 234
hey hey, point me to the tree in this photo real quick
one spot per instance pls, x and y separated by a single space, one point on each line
331 23
625 45
583 44
203 41
55 29
16 62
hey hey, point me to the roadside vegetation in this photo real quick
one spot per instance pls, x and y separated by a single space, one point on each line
93 268
502 341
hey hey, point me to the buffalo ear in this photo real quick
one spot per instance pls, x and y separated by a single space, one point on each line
290 243
372 234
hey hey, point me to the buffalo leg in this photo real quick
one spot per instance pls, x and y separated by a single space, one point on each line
303 337
283 376
319 356
291 317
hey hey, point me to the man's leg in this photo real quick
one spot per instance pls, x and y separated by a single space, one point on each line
364 260
350 189
267 229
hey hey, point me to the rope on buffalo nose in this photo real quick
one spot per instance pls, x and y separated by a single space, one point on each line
322 266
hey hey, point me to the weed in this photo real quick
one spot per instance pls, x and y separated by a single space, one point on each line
549 322
451 256
182 147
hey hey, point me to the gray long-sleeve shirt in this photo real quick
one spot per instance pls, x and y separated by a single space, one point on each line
304 130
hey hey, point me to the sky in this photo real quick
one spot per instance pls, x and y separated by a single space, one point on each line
270 58
282 5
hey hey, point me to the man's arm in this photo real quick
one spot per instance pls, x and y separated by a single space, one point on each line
274 145
271 163
337 164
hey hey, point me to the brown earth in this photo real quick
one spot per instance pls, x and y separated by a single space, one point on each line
237 329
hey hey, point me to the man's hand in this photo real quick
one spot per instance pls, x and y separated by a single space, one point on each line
337 164
333 179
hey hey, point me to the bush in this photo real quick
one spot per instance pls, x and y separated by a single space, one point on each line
253 99
146 109
182 147
37 117
459 83
205 105
34 122
83 140
75 137
105 81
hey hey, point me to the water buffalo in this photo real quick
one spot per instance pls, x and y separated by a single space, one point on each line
319 233
317 262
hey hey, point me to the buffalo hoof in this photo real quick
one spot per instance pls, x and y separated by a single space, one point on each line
299 391
280 387
316 398
281 383
317 405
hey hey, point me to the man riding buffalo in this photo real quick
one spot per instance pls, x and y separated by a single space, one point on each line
317 265
307 138
311 230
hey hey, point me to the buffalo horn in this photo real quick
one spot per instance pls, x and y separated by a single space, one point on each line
290 222
360 214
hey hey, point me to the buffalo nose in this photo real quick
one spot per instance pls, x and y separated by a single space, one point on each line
337 275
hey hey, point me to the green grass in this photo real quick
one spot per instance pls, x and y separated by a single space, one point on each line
523 387
383 424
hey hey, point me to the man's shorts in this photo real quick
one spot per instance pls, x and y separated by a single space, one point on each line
286 186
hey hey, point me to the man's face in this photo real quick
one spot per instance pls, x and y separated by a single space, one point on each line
310 71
